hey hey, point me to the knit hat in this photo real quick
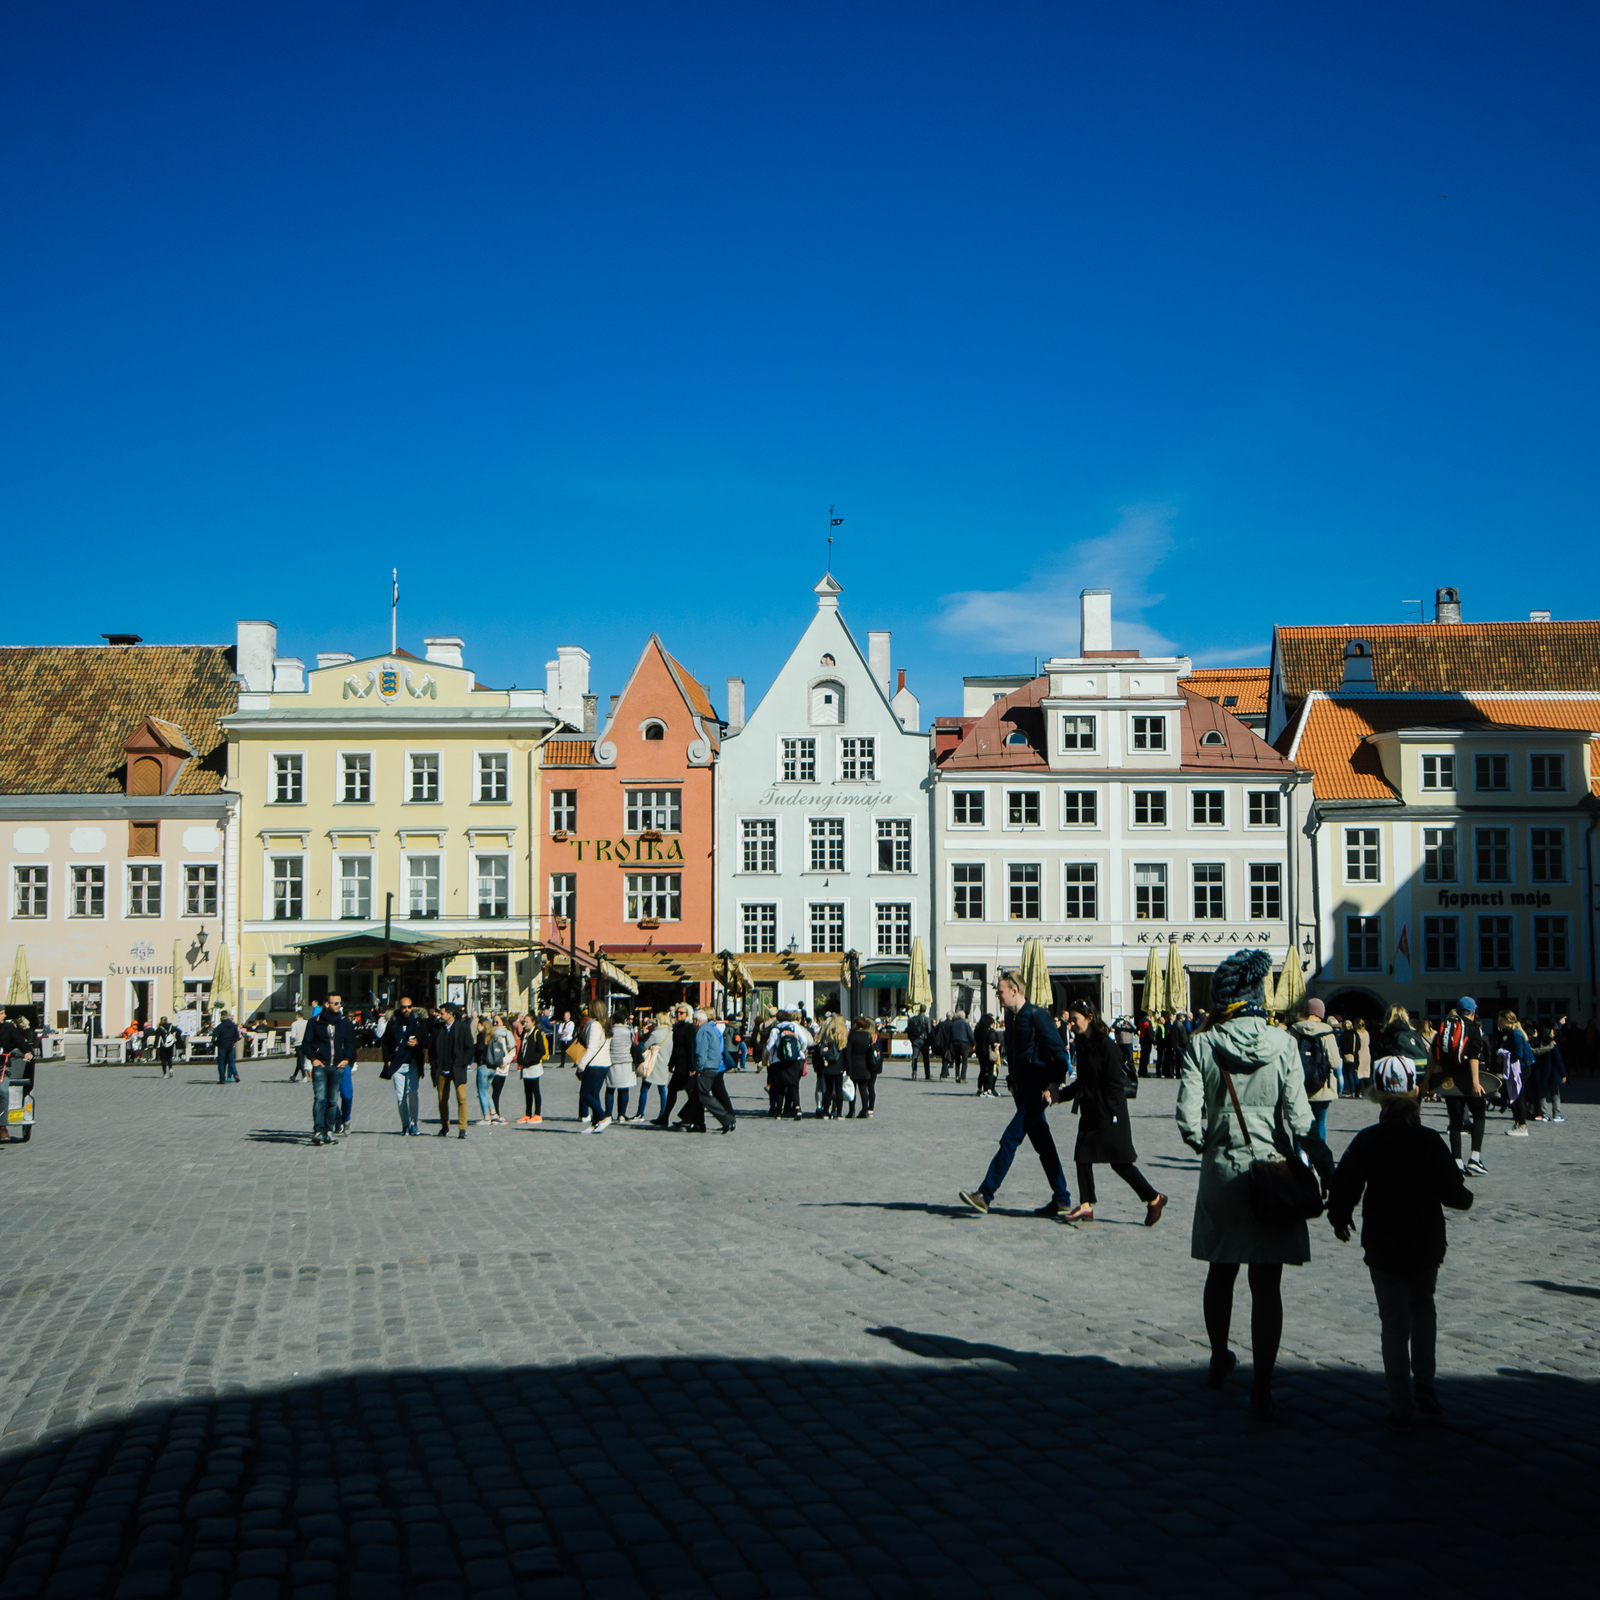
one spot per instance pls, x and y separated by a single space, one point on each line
1393 1075
1316 1008
1241 979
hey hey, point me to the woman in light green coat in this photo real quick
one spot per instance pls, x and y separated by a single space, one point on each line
1264 1063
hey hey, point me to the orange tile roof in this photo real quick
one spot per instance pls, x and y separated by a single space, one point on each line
1329 734
69 712
569 753
1247 684
1443 657
697 695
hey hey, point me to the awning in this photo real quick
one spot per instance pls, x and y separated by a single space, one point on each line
411 943
886 978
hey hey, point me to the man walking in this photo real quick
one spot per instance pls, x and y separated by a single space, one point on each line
452 1057
1038 1064
297 1038
225 1036
917 1030
958 1041
1458 1055
709 1067
330 1047
402 1061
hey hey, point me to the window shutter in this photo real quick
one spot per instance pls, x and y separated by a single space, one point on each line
144 777
144 838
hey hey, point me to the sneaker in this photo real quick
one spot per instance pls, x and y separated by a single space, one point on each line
1538 1118
535 1119
1476 1166
444 1133
522 1120
977 1200
462 1134
602 1125
1516 1133
1461 1165
1558 1118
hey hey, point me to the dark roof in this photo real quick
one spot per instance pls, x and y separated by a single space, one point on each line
69 711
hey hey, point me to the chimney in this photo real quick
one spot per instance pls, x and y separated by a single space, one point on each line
1447 605
288 675
902 683
611 710
123 638
906 706
567 684
444 649
878 660
332 658
1094 613
735 704
1357 665
1538 616
257 645
591 714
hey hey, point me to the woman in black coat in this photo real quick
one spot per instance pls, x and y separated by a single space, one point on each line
684 1079
1105 1136
861 1062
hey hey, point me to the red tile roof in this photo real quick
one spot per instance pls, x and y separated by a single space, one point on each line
1248 685
569 753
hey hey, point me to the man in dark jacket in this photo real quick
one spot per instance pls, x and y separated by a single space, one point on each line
917 1030
452 1056
958 1041
402 1060
330 1047
1408 1175
1037 1063
225 1036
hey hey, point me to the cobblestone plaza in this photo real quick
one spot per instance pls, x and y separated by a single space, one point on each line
783 1363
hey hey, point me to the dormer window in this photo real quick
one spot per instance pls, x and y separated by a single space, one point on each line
1017 737
1212 736
653 731
155 755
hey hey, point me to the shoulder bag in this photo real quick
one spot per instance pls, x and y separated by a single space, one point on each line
1281 1191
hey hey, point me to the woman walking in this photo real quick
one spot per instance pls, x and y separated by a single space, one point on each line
620 1078
654 1070
487 1053
684 1079
533 1052
1104 1134
988 1048
832 1043
1513 1059
592 1069
1243 1099
861 1060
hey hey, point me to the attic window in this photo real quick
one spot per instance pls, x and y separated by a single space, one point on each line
1230 699
144 776
144 838
1018 737
828 661
1211 736
655 730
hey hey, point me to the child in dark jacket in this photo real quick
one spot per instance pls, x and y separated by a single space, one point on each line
1408 1175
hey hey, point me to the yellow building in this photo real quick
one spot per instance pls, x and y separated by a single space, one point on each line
392 800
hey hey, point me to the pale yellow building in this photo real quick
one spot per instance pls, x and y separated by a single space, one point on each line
395 792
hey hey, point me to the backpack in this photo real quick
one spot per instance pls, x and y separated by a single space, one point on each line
789 1050
1313 1061
495 1053
831 1059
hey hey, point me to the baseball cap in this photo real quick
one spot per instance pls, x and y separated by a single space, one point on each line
1393 1075
1466 1003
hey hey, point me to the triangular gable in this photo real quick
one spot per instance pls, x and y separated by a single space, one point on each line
702 749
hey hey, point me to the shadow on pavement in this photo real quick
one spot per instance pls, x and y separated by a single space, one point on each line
1564 1288
966 1470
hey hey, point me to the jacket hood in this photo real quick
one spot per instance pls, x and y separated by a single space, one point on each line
1243 1044
1311 1027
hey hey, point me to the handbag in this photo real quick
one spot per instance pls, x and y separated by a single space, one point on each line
1281 1191
575 1052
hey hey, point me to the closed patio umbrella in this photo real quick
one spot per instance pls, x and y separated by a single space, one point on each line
20 992
1035 974
1292 983
222 981
177 974
919 992
1153 999
1177 988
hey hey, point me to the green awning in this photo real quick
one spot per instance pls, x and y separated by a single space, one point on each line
886 978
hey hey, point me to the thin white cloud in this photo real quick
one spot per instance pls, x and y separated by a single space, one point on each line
1041 617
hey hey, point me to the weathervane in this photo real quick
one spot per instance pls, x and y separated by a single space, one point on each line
833 522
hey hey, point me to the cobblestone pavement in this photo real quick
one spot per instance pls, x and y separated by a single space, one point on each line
784 1363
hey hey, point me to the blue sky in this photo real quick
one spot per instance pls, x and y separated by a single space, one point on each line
582 315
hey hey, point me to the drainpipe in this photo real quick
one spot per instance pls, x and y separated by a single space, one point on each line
1589 907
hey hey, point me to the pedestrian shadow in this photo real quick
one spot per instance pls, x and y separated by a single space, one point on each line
277 1136
928 1207
1581 1289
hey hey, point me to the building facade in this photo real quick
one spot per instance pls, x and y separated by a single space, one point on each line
630 833
1106 808
388 791
822 823
121 843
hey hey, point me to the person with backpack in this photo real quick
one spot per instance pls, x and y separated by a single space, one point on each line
1100 1099
534 1046
1243 1100
1455 1070
787 1047
1407 1176
988 1048
167 1038
917 1030
488 1053
832 1041
1319 1062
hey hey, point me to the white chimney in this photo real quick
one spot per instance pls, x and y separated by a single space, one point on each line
735 704
906 706
253 655
878 660
288 675
1538 616
1357 665
1094 620
445 649
1447 605
567 683
333 658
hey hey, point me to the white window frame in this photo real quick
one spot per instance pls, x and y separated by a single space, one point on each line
1076 717
144 863
673 808
870 741
1134 886
87 866
184 911
1478 920
569 888
878 908
1566 854
845 941
1422 773
843 841
339 758
409 854
550 811
633 914
268 878
1550 755
1006 824
909 870
477 776
1344 846
438 772
982 791
1208 827
1511 853
477 877
745 908
1091 886
797 740
98 984
273 757
32 866
1266 794
742 870
1195 887
1038 884
1155 725
982 868
337 885
1266 886
1094 800
1149 827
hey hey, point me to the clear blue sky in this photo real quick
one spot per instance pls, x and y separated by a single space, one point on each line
582 315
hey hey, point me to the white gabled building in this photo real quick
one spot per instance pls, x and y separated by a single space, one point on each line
822 819
1104 808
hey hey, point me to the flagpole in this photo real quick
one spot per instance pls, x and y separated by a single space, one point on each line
394 614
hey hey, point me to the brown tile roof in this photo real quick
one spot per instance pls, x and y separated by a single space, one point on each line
697 696
1443 657
984 744
67 713
1328 736
569 753
1247 684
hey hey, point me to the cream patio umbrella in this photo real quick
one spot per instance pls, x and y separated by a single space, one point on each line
1035 974
1292 982
919 992
1153 998
20 991
1177 989
177 975
222 981
1269 990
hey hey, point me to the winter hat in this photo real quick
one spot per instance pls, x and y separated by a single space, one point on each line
1240 980
1315 1008
1393 1075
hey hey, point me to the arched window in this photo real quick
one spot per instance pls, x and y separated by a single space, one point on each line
144 776
827 703
1212 736
654 730
1016 736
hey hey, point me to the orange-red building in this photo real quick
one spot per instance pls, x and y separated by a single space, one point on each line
631 827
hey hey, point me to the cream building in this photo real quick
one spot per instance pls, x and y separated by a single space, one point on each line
395 792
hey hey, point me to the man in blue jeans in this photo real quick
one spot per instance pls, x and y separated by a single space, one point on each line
330 1048
1036 1062
225 1036
709 1065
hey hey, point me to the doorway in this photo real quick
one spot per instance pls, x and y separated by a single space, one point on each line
1065 987
141 1001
